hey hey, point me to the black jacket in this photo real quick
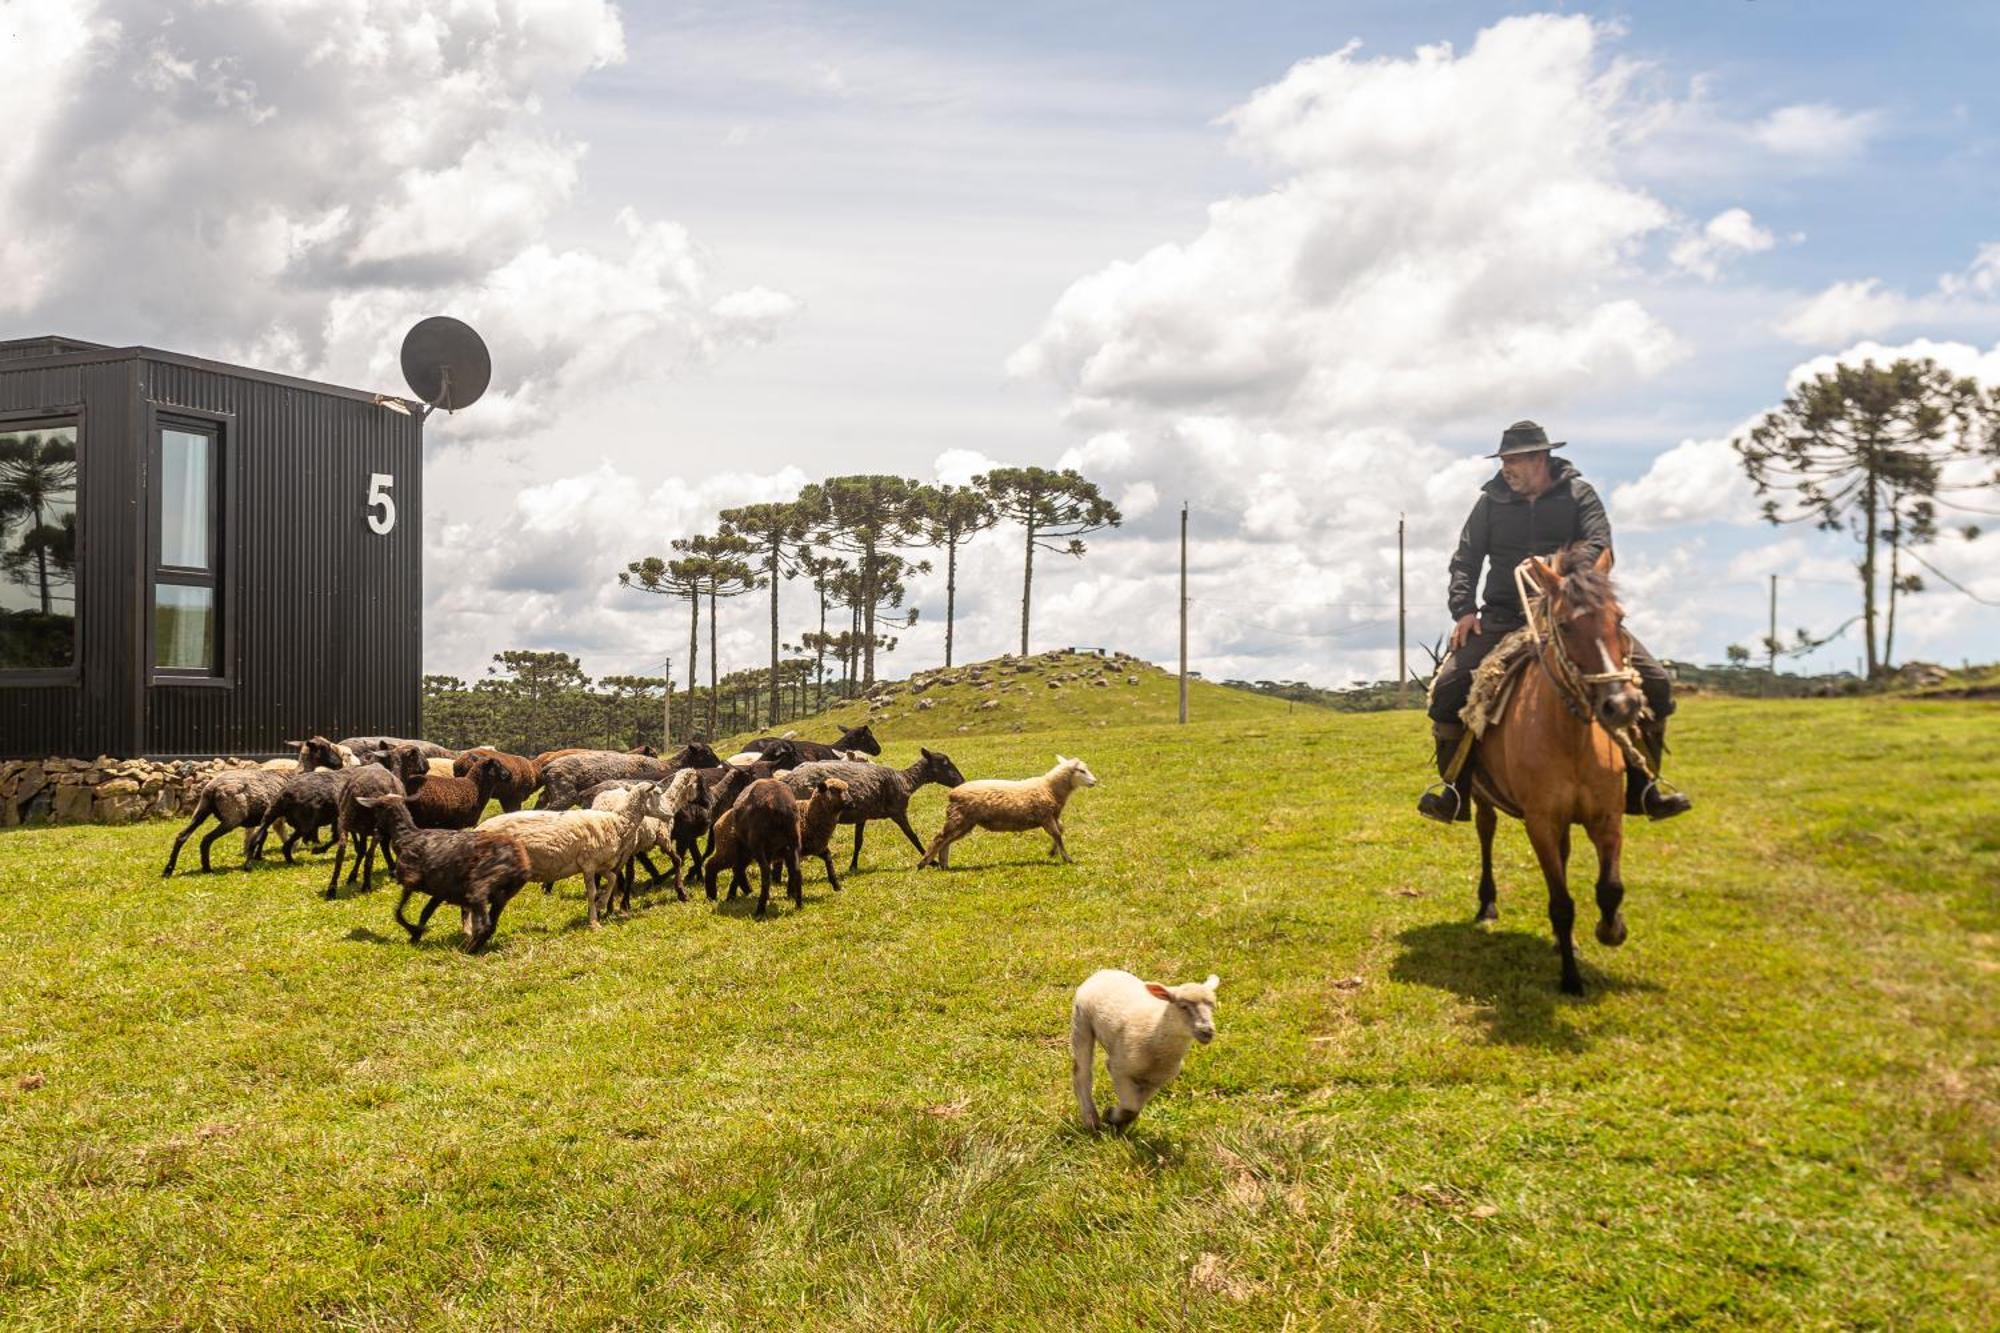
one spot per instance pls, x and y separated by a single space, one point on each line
1505 529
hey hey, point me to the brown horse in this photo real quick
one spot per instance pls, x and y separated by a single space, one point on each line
1550 759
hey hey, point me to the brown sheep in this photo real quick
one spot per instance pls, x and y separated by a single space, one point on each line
523 775
818 818
766 833
444 801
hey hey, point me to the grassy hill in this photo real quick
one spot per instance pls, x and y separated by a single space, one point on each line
1055 691
225 1102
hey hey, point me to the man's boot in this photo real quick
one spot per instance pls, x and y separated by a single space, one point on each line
1446 801
1648 797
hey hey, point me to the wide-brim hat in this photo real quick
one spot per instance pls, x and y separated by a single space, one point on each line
1524 437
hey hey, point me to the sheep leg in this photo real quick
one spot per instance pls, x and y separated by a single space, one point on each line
291 841
1133 1094
339 855
253 844
1056 848
202 810
826 856
1082 1054
902 819
680 887
416 931
795 880
855 864
208 842
764 898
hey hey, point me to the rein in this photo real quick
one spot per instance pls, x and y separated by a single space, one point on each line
1573 684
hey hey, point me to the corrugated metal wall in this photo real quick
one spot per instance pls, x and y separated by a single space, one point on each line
323 617
94 716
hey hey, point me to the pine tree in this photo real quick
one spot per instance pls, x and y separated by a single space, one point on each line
948 517
775 531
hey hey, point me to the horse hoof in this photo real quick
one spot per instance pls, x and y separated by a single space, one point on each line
1611 933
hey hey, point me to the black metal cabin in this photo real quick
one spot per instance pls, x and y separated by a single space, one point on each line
200 559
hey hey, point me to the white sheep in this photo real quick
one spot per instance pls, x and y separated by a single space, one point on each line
1010 807
590 843
656 833
440 768
1144 1028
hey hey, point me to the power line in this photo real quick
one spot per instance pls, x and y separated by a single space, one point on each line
1948 578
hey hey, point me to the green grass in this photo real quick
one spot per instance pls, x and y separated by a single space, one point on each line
225 1102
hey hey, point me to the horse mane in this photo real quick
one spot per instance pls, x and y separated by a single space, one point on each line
1583 587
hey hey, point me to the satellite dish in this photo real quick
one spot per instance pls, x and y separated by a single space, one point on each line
445 362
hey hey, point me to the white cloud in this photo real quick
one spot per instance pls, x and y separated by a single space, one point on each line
297 181
1866 306
1696 481
1442 211
1729 233
1815 132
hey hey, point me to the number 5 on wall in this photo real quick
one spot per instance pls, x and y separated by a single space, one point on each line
379 498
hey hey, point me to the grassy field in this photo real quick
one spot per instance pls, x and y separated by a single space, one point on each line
225 1102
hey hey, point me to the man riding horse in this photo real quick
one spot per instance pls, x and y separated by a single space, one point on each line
1536 506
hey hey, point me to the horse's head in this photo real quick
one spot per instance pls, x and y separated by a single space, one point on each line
1584 616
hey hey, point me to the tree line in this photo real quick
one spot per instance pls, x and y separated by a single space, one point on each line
857 541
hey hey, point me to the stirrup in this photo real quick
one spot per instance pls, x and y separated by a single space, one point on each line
1661 789
1433 800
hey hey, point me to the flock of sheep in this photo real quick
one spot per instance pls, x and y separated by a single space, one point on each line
602 816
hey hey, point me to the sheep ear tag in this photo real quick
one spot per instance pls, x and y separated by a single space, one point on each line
1159 992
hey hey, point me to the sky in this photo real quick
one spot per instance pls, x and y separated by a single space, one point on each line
1293 265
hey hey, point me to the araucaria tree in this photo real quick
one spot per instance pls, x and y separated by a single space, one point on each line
948 517
1867 448
1056 509
866 518
686 577
726 573
774 531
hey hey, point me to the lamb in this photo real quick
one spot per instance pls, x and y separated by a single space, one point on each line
1010 807
522 775
876 791
763 831
564 779
476 871
817 819
854 741
1144 1028
235 798
656 832
590 843
307 800
720 786
445 801
364 826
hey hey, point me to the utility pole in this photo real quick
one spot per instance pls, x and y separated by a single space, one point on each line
667 708
1771 643
1402 622
1184 605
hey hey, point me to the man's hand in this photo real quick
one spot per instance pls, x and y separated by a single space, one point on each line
1467 626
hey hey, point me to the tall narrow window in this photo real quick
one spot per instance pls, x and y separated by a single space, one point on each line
37 547
185 564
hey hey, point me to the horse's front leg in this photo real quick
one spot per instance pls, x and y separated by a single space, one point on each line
1551 842
1608 836
1486 822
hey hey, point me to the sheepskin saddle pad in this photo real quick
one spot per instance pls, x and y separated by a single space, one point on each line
1494 678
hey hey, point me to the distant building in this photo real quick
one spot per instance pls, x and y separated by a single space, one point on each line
200 559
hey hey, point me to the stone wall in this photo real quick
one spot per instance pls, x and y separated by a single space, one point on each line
103 790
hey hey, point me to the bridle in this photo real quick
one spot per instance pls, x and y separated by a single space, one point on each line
1574 685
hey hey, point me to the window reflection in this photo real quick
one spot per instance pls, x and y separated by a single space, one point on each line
183 627
37 547
184 494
